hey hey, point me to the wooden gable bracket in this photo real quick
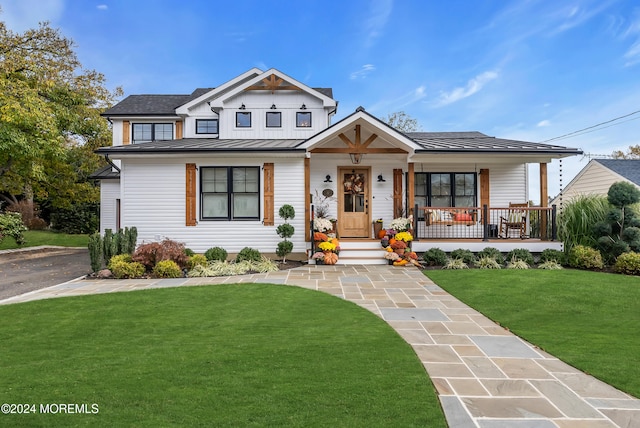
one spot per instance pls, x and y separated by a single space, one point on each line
358 146
272 83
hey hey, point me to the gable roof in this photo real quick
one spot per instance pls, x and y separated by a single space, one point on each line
627 168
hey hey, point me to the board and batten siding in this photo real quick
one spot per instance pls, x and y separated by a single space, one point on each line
154 200
109 194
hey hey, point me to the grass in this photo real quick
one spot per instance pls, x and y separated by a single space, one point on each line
35 238
590 320
224 355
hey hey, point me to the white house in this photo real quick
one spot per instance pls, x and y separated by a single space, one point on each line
598 175
212 169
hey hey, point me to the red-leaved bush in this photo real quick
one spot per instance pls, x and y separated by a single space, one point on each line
153 252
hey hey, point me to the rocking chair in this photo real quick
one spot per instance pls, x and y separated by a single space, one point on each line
516 219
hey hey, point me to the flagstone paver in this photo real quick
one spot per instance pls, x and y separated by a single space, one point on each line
485 376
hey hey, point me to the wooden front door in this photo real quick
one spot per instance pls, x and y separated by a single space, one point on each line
353 203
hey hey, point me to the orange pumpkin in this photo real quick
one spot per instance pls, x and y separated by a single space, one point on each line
392 241
319 236
330 258
382 234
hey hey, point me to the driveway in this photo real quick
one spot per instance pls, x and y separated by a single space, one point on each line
22 271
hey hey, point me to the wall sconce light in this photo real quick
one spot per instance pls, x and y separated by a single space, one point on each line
303 106
356 158
381 179
327 179
273 106
242 107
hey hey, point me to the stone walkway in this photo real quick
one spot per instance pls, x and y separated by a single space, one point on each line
485 376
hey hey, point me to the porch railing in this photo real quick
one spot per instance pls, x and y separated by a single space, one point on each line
485 223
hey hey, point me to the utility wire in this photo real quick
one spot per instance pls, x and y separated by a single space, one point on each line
581 131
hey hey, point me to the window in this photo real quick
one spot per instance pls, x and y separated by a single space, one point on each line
206 126
230 193
243 119
450 189
145 132
274 119
303 119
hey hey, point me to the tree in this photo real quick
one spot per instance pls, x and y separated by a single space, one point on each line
402 122
633 152
49 117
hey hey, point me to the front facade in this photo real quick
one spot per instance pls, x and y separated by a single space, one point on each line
212 168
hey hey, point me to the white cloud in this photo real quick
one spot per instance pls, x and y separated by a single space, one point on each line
102 7
25 14
400 102
474 85
363 72
632 55
544 123
377 20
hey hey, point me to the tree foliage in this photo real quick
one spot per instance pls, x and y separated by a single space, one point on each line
49 117
633 152
402 122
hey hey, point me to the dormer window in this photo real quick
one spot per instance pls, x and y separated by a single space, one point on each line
303 119
146 132
243 119
206 126
274 119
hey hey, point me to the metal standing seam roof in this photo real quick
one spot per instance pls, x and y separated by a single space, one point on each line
450 142
205 145
628 168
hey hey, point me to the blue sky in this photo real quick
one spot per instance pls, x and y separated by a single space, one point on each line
529 70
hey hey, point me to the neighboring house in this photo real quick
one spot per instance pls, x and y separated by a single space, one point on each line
213 168
597 176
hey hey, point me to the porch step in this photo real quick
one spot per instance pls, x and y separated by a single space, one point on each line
361 252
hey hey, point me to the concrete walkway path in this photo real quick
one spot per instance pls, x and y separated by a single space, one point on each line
485 376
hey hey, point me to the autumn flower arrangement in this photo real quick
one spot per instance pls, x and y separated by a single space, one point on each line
322 224
329 249
396 243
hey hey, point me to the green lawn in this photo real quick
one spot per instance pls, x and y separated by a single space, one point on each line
35 238
224 355
590 320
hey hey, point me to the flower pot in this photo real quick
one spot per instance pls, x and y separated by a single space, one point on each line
377 228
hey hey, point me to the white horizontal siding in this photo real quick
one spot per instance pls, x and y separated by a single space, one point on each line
507 182
154 202
258 103
109 193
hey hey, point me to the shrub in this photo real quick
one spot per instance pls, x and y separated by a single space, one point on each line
628 263
197 259
517 264
11 225
550 265
107 244
285 231
249 254
167 269
455 264
582 257
216 253
487 262
95 251
434 257
549 255
37 223
521 254
80 218
152 253
494 253
189 252
225 268
466 256
122 269
284 248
